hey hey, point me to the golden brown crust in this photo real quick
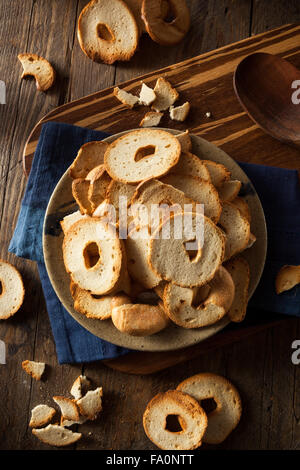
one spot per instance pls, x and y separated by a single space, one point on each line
44 81
287 277
80 191
229 190
90 404
179 281
118 263
3 291
243 207
99 54
139 319
90 155
28 367
239 270
236 241
190 409
69 409
218 172
160 30
228 411
131 171
41 422
218 298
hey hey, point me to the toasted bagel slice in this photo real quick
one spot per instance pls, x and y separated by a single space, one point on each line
92 306
181 305
141 154
229 190
138 249
218 173
191 165
185 141
154 201
89 156
70 220
191 417
107 31
11 290
39 68
200 191
93 255
239 270
236 228
226 416
80 192
198 250
99 182
139 319
162 31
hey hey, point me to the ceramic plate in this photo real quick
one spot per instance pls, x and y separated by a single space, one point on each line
173 337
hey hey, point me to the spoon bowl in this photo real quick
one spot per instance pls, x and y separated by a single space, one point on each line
266 87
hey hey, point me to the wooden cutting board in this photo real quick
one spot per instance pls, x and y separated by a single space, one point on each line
206 82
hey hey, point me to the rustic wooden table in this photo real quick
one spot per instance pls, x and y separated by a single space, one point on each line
260 366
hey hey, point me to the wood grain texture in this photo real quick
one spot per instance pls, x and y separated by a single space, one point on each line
205 81
260 365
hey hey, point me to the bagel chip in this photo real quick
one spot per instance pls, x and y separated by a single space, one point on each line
33 368
39 68
55 435
192 420
287 277
226 416
11 290
107 31
41 415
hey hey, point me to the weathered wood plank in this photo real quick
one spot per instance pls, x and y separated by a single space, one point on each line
267 15
28 334
17 332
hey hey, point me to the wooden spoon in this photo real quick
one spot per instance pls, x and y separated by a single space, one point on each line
263 85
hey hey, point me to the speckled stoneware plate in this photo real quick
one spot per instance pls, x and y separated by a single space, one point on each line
173 337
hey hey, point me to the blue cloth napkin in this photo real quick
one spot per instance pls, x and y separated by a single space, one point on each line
58 144
279 193
57 147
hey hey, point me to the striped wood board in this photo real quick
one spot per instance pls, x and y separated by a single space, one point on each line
205 81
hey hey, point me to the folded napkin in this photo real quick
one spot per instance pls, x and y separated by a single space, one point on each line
58 144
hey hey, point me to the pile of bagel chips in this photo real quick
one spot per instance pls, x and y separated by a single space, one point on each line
158 235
